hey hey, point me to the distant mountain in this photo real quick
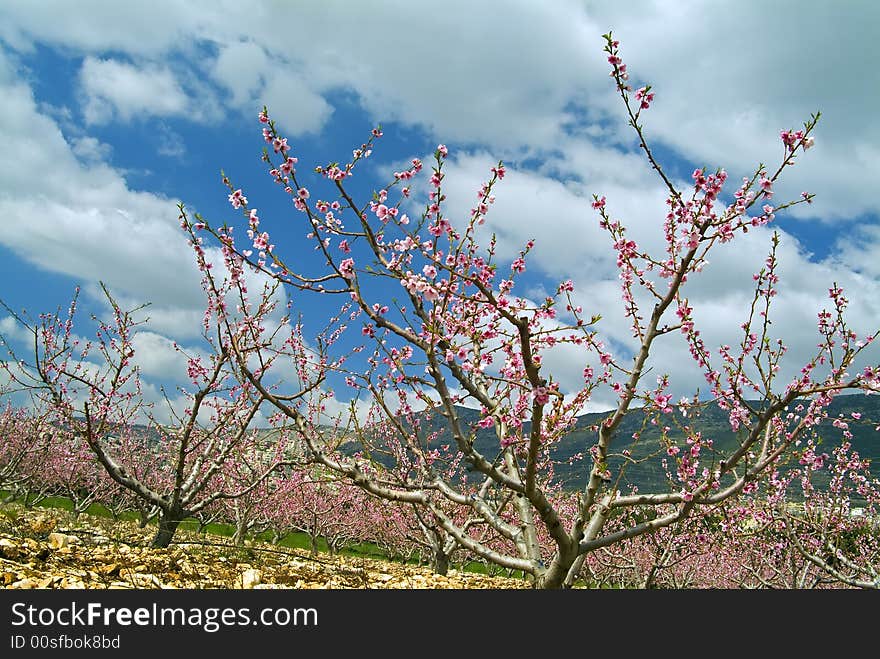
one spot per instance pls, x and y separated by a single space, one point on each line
647 473
713 423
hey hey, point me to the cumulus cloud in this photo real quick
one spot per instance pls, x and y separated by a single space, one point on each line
84 220
12 330
94 25
90 149
155 355
527 81
722 97
118 89
241 68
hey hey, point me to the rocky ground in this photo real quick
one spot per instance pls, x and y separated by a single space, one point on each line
45 548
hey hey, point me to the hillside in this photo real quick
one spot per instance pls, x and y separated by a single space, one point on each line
712 423
648 474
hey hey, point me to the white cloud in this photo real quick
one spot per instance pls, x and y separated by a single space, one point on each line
724 90
254 79
90 149
169 143
558 216
241 67
146 28
465 74
118 89
859 250
291 102
156 356
12 330
84 221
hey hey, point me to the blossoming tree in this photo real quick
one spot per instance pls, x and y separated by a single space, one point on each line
90 391
462 337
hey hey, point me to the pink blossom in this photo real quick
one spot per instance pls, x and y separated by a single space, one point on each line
261 242
645 97
662 402
541 395
346 268
384 213
287 165
237 199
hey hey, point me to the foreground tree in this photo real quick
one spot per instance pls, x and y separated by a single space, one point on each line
462 338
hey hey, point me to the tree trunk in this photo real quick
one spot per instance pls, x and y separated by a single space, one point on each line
167 526
143 518
649 582
556 573
440 562
240 533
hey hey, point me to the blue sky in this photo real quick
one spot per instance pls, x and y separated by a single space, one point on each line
112 112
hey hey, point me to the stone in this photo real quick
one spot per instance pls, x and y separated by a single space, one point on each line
60 540
250 578
145 580
8 549
43 524
24 584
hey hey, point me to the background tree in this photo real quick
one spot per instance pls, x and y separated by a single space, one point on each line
90 390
